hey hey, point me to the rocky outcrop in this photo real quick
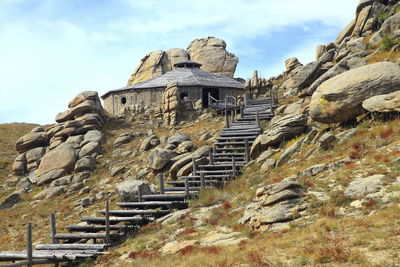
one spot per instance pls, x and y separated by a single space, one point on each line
307 75
157 63
67 146
158 158
391 27
362 186
340 98
128 190
280 129
291 64
170 103
274 204
211 53
383 103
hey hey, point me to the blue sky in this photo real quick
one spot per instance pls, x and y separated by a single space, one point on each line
50 50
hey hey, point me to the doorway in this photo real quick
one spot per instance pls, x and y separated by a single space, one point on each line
214 92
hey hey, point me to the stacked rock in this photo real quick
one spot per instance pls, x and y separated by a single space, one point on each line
70 144
170 103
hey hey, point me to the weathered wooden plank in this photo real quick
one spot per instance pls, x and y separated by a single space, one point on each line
114 220
130 213
97 228
85 236
25 263
71 247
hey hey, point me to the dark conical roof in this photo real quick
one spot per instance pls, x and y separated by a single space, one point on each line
185 77
187 64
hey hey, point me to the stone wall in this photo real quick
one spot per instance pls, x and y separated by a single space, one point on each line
140 100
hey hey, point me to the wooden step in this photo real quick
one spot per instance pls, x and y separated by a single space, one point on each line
153 204
237 154
221 165
175 197
87 236
97 228
250 138
235 143
115 220
71 247
131 213
218 172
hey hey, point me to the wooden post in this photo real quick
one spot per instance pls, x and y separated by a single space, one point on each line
247 149
271 96
202 181
209 99
54 240
241 111
234 166
210 153
246 96
140 193
194 167
226 119
258 119
162 190
29 244
108 241
232 116
186 189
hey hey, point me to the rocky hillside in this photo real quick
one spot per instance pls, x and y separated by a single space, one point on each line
322 188
210 52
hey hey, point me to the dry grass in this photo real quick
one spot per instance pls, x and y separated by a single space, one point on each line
382 56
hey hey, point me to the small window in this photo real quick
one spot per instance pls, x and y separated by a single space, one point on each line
123 100
183 95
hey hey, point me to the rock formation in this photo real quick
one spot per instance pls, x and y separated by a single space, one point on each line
210 52
340 98
170 103
67 146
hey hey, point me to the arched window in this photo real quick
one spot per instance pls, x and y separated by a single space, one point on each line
123 100
183 95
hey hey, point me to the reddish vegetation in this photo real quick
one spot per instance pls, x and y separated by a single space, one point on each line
144 254
256 259
386 133
207 250
332 249
226 205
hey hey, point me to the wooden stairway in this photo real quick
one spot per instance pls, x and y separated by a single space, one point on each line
228 155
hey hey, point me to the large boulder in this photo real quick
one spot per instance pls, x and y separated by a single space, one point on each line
186 160
383 103
30 141
178 138
307 74
128 190
340 98
86 95
391 26
362 186
291 64
346 31
211 53
10 201
280 129
63 157
157 63
158 158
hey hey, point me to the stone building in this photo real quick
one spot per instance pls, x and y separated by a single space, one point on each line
193 83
